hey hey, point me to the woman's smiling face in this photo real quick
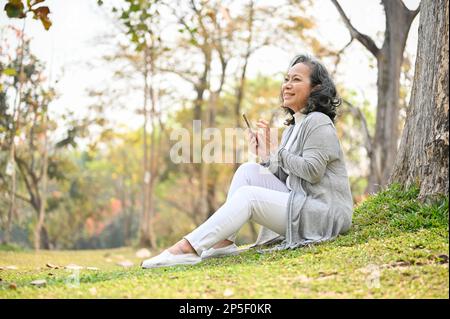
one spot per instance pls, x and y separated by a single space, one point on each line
296 87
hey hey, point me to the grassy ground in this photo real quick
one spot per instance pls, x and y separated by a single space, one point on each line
397 248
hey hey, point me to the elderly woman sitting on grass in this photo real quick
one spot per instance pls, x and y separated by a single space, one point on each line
300 191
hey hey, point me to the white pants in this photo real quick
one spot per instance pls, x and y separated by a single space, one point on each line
254 194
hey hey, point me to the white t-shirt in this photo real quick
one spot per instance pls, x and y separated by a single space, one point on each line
298 120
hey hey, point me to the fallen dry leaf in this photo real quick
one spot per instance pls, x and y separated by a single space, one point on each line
13 286
327 274
125 263
443 259
323 275
11 267
73 267
368 269
39 283
143 253
92 268
303 278
398 264
326 277
228 292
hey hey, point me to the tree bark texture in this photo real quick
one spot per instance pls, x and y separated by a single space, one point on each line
424 148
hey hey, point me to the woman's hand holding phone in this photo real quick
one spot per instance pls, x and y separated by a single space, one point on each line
263 136
253 142
259 141
252 136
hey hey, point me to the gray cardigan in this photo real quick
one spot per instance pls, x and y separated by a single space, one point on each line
320 205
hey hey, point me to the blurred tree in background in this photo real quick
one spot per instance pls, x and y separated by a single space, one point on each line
83 182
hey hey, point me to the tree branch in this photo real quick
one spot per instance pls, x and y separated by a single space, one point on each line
200 20
338 56
409 14
180 74
364 39
22 197
414 13
357 112
34 198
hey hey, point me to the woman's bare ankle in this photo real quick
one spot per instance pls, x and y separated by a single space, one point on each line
223 243
182 247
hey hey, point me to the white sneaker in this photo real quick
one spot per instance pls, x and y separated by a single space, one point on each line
166 258
220 252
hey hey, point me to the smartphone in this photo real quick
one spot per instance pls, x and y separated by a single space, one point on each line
248 123
249 126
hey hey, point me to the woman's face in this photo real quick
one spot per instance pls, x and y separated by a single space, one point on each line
296 87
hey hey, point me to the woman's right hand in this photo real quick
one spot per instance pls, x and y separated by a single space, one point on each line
259 141
253 142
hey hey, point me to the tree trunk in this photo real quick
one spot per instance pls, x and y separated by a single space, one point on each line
209 173
208 181
129 219
35 196
389 61
153 154
144 240
44 240
12 204
423 155
124 195
237 111
43 199
15 129
211 193
383 146
240 90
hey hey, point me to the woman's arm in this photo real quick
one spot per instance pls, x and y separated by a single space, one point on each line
321 147
271 163
270 158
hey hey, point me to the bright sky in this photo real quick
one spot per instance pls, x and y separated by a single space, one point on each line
70 44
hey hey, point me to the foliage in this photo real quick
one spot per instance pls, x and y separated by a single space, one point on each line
138 18
11 247
24 102
16 9
24 121
103 195
394 211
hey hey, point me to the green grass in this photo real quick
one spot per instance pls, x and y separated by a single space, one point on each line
397 248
